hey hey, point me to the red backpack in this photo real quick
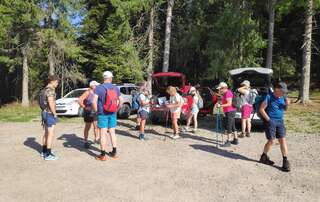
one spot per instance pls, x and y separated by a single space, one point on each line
111 102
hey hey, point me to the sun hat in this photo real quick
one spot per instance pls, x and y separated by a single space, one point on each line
222 85
192 89
245 83
282 86
107 75
93 83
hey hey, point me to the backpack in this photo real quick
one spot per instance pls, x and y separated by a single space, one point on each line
200 102
111 101
258 101
252 96
135 101
42 99
236 100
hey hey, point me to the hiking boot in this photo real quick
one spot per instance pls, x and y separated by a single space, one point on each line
227 144
101 158
265 160
113 155
286 165
86 145
241 135
50 157
235 141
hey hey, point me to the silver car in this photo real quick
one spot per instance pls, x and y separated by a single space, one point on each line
127 91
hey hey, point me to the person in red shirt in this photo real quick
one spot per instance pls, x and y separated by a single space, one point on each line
229 111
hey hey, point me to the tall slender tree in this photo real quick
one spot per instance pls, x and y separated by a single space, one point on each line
271 9
151 46
306 56
166 54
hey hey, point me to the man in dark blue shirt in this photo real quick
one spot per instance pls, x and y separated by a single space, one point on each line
272 110
107 121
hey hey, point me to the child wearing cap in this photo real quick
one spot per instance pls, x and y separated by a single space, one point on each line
272 110
194 109
90 118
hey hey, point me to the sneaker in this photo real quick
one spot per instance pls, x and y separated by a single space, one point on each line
175 137
113 155
141 137
227 144
86 145
235 141
241 135
184 129
248 135
286 166
50 157
265 160
101 158
171 136
43 154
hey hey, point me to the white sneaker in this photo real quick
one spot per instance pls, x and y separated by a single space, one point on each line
171 136
176 137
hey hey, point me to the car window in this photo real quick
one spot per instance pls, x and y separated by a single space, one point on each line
75 94
132 90
123 90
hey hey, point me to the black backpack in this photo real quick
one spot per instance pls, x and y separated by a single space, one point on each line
42 99
236 100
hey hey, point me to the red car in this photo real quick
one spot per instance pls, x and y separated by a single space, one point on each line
160 82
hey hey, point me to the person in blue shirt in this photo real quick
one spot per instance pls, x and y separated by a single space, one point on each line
107 121
272 111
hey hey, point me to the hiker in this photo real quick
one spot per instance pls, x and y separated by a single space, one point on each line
144 110
136 104
193 115
89 116
175 104
106 103
47 101
229 111
246 108
272 110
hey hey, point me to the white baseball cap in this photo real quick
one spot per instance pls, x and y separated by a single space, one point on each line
94 83
107 75
222 85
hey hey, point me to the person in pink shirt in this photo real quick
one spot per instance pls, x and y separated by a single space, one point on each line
230 113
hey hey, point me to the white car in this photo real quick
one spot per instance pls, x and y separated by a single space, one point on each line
68 105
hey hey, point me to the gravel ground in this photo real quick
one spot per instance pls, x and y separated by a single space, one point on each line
160 169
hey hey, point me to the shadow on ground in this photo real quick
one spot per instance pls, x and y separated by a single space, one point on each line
75 142
33 144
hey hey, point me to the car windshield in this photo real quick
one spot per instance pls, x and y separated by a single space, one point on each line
75 94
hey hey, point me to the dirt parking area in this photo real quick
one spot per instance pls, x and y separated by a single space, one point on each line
160 169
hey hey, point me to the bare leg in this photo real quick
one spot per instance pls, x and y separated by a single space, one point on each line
268 146
283 146
249 125
142 126
103 138
243 125
86 131
45 137
96 130
50 135
189 120
112 133
195 121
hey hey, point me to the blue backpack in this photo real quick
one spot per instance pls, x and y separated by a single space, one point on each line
258 101
135 101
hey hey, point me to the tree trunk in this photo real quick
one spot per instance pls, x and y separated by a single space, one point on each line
151 49
25 77
270 33
306 56
166 56
51 61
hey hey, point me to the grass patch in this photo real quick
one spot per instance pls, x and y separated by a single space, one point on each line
314 95
16 113
303 119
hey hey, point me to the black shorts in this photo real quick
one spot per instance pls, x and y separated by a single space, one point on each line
229 122
89 116
275 129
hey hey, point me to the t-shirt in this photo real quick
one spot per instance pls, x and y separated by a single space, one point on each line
146 108
245 98
49 92
195 100
275 106
224 98
175 99
100 91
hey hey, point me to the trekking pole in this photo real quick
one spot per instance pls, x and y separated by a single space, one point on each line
218 125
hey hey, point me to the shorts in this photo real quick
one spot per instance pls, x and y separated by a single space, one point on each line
89 116
194 110
48 119
107 121
246 111
229 122
175 115
143 114
275 129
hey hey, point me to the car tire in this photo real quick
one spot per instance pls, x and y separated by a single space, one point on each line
124 111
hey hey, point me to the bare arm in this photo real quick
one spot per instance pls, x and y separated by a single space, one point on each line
52 105
242 90
95 103
263 112
287 101
120 102
82 98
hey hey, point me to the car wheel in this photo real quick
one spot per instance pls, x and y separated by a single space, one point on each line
124 111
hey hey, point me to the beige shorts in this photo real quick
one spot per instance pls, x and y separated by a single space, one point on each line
175 115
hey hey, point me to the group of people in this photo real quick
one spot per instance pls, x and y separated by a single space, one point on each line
101 102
